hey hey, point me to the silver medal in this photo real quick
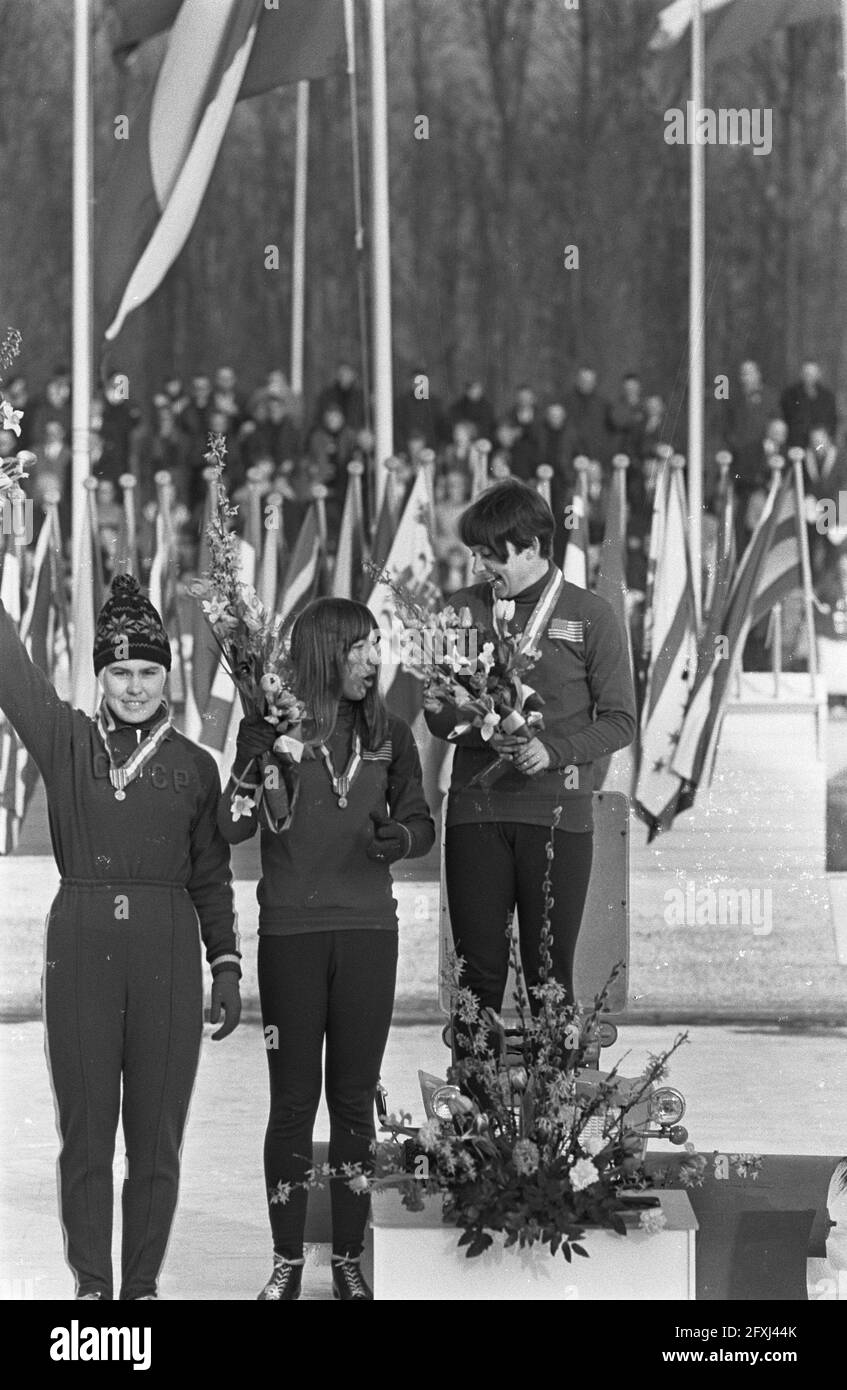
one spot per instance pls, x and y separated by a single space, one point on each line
120 794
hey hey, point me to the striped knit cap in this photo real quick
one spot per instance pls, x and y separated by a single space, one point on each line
129 628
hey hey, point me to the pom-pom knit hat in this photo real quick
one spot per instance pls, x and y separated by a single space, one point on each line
129 628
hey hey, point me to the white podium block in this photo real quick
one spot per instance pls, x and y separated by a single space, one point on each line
417 1257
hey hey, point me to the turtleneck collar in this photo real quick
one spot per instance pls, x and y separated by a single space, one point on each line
534 592
121 723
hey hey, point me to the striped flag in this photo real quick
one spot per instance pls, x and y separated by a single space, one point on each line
39 633
673 653
575 568
352 546
215 725
616 772
782 570
215 55
304 574
387 521
695 752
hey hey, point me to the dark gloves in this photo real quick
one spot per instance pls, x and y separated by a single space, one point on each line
226 996
392 840
255 737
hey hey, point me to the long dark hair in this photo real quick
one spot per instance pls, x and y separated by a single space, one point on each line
321 638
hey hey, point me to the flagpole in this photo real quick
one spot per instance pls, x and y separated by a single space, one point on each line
298 258
796 457
696 307
381 249
844 57
81 272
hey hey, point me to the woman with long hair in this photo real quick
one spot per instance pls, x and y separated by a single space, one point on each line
328 924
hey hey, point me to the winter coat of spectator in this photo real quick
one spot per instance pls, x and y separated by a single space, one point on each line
227 397
55 404
588 414
824 477
655 429
169 450
747 414
120 420
415 415
527 448
627 418
345 394
275 435
474 406
808 404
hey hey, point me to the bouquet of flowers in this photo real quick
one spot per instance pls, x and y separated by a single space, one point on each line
250 640
530 1140
477 672
12 469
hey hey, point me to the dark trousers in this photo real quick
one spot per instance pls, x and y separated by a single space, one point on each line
494 867
333 987
123 1006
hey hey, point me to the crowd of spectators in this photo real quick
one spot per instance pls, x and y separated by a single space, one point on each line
293 446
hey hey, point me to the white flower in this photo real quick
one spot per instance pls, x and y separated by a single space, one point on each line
583 1174
271 683
11 418
215 609
359 1183
652 1221
525 1157
592 1145
255 615
489 725
485 659
242 806
429 1134
504 611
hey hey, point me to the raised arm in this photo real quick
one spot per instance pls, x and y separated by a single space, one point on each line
41 720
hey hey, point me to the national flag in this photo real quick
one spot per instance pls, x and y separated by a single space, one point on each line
697 745
730 27
782 571
37 630
410 562
267 585
348 576
387 521
218 51
215 725
162 591
615 773
673 653
304 574
575 568
722 569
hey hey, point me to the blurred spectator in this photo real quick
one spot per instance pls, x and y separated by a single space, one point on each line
747 413
500 461
227 398
175 393
447 513
194 417
807 403
16 391
56 404
457 456
627 418
236 468
332 445
416 413
557 452
110 520
345 394
169 450
54 469
527 449
824 478
275 435
120 421
474 406
653 432
588 415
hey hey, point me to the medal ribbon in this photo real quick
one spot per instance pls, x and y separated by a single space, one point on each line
120 777
542 610
341 785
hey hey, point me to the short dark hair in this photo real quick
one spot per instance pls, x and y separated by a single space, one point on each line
509 511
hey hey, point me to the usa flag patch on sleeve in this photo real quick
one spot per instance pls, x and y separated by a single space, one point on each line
565 630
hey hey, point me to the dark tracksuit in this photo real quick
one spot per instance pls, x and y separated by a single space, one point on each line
123 989
327 965
496 838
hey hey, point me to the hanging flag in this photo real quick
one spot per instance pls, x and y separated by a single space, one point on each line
303 575
215 725
575 568
267 585
730 27
673 653
616 772
387 521
347 578
722 570
161 170
697 745
782 571
38 631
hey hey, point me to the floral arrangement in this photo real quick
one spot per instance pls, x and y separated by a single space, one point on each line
536 1143
476 672
13 469
251 642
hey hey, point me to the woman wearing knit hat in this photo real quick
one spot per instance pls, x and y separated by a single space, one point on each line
132 807
328 924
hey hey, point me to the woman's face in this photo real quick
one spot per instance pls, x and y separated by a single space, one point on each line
133 689
361 667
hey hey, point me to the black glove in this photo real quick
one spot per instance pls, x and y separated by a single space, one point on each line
392 839
255 737
226 996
